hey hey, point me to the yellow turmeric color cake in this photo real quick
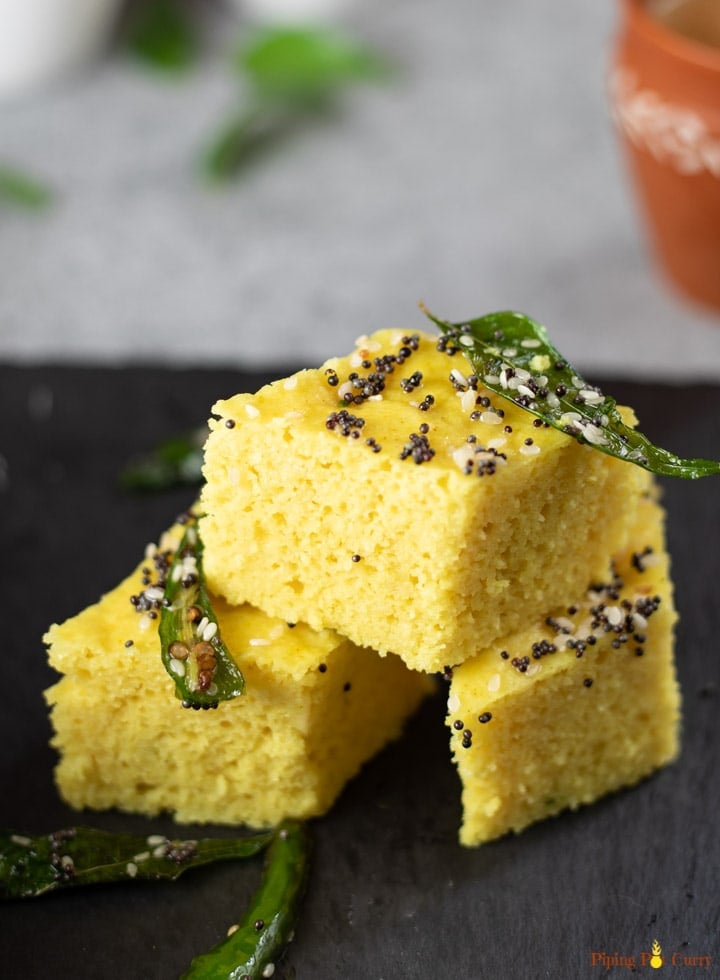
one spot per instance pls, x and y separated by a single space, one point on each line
389 496
578 704
315 708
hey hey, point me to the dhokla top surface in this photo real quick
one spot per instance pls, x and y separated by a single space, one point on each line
388 495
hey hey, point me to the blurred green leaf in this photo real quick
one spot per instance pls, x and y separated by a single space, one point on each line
177 462
235 143
22 190
292 74
161 35
305 64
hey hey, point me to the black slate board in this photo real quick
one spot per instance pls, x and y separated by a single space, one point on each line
392 894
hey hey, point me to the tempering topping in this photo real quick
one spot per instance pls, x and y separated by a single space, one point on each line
192 650
512 356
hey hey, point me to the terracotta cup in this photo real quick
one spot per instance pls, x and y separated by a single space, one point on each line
665 96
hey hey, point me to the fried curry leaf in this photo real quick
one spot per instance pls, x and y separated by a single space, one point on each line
31 866
512 356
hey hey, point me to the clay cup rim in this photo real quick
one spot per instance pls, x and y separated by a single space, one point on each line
681 48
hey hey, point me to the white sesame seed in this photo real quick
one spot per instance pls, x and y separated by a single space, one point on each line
467 400
365 344
491 379
67 862
202 625
510 352
269 970
524 390
564 623
490 418
497 443
484 457
209 631
167 542
594 435
514 383
177 573
533 669
530 343
590 396
346 388
494 683
259 641
453 703
20 840
160 851
144 623
150 550
639 622
155 839
463 456
356 359
532 450
177 667
143 856
232 930
131 869
503 378
252 411
466 340
458 377
154 592
614 615
553 400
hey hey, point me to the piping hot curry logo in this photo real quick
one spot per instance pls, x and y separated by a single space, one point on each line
654 958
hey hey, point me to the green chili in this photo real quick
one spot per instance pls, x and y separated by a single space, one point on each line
253 949
191 647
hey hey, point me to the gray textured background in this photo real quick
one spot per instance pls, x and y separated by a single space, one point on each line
486 176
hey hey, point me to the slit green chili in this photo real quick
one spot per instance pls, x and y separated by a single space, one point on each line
192 649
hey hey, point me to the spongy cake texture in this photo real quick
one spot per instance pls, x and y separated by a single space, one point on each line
582 702
316 708
384 496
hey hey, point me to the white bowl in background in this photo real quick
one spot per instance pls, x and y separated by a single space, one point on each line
42 40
